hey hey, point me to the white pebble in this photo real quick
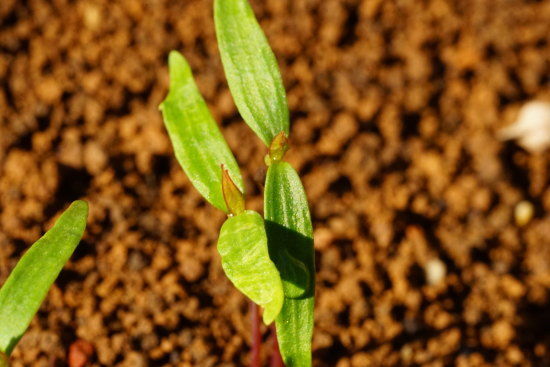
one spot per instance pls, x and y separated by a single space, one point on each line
532 127
435 270
523 213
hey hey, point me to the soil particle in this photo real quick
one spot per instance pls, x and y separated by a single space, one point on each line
79 353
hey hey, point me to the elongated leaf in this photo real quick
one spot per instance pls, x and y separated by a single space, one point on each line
29 282
290 237
245 260
198 143
251 69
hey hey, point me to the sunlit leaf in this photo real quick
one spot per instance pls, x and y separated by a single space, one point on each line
29 282
290 237
198 144
245 260
251 69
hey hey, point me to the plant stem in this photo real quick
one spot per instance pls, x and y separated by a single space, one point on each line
276 359
255 360
3 360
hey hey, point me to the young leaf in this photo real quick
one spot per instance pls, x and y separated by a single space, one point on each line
251 69
277 149
198 143
234 199
290 237
245 260
28 284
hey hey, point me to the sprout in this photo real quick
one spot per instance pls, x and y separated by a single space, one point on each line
271 261
28 284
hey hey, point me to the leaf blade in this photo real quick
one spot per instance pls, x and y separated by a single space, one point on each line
199 146
251 69
290 232
30 280
245 259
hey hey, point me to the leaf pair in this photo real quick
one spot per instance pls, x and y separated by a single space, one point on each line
256 86
201 150
29 282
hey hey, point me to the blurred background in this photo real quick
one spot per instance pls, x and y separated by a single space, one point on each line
432 233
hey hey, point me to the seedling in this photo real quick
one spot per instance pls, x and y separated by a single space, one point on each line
32 277
270 259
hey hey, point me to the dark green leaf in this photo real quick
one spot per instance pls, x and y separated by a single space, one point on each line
28 284
198 143
290 237
245 260
251 69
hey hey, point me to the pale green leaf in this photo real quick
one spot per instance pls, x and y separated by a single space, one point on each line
29 282
245 260
251 69
290 237
198 144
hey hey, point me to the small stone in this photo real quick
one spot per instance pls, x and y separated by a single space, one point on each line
49 90
523 213
92 16
514 355
532 127
95 158
436 270
79 353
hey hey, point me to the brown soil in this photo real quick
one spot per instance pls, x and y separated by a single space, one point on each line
395 106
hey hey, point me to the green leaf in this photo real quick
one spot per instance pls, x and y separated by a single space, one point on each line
28 284
245 260
290 237
251 69
198 143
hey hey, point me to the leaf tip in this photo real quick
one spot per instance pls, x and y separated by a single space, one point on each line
80 206
178 68
268 318
175 58
273 308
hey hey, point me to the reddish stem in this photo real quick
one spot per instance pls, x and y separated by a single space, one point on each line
255 360
276 359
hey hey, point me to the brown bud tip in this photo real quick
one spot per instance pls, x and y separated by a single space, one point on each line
277 149
234 199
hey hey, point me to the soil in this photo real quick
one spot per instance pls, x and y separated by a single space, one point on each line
395 108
